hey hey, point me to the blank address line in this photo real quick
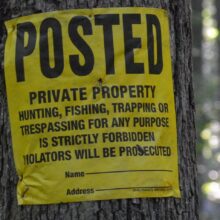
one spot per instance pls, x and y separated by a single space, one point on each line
126 171
138 187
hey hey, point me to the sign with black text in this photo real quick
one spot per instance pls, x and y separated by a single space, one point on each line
91 105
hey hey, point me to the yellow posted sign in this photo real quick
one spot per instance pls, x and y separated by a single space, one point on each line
91 105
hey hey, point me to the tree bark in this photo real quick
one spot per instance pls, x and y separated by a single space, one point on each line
197 37
138 209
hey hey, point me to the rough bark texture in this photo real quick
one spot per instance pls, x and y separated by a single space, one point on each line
197 36
135 209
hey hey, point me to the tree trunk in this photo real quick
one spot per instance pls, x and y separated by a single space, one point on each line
197 36
158 208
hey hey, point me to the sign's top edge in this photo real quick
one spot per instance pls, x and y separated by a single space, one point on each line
86 11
